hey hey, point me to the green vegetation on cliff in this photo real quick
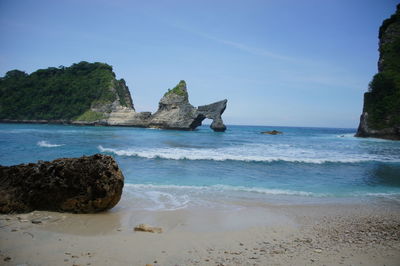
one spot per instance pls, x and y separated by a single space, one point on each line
58 93
387 22
90 116
179 89
382 101
121 90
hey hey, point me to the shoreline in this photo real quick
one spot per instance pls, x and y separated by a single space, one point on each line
91 124
258 234
66 123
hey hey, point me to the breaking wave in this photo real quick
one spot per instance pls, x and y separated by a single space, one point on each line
251 153
46 144
173 197
223 188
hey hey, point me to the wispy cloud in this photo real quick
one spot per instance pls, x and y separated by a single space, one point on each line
253 50
238 45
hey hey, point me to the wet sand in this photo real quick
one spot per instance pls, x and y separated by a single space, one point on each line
255 234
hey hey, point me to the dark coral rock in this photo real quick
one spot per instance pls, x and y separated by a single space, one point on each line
79 185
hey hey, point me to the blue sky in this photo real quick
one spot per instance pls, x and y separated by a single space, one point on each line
289 63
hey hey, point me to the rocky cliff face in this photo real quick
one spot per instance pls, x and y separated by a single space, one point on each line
175 111
111 112
381 111
82 92
213 111
79 185
89 94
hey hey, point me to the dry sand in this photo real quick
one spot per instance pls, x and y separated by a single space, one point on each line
258 234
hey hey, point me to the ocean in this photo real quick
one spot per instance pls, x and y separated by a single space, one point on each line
169 170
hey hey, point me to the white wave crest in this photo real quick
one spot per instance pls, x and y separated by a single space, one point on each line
223 188
153 198
46 144
250 153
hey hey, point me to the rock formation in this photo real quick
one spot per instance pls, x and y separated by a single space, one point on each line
175 111
381 111
213 111
89 94
273 132
79 185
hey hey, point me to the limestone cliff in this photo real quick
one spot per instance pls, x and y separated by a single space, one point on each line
381 111
82 93
107 112
89 94
175 111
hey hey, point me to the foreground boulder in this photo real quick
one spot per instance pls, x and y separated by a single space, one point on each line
79 185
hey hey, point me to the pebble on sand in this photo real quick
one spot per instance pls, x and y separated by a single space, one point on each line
147 228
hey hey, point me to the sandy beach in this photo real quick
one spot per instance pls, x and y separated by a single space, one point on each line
254 234
215 133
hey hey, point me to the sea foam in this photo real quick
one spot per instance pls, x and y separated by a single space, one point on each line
152 197
46 144
222 189
250 153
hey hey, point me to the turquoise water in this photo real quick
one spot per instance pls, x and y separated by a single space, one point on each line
173 169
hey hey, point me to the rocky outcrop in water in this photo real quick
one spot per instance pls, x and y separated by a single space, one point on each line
89 94
381 111
273 132
175 111
79 185
213 111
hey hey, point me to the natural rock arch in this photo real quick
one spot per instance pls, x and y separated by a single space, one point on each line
175 111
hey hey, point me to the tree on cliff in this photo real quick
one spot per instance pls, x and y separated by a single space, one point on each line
56 93
381 112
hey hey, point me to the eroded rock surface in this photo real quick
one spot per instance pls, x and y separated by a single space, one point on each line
175 111
214 111
97 98
380 117
79 185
